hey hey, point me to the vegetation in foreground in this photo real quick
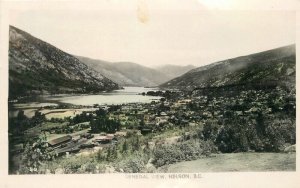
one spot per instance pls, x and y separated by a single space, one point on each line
237 162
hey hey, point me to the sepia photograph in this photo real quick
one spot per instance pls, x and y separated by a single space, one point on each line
169 88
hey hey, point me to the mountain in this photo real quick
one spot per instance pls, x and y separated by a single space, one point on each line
38 67
174 71
272 67
126 73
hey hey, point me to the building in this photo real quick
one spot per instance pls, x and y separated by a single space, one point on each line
86 135
120 134
61 140
103 139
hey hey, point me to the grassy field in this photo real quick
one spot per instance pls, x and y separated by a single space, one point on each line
62 113
242 162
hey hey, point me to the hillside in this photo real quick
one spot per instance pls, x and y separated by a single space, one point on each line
38 67
126 73
237 162
275 66
174 71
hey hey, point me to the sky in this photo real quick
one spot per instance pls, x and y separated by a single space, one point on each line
154 33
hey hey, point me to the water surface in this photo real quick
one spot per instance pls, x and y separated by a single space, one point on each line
122 96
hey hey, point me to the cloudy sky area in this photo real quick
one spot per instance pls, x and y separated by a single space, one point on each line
143 32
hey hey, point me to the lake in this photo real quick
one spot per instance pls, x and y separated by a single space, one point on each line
122 96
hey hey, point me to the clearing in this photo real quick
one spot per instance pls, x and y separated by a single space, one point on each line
237 162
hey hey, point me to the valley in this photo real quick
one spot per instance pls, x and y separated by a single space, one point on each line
71 114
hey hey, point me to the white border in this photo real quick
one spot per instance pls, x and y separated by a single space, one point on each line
244 179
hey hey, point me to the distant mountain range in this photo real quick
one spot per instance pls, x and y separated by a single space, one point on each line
38 67
277 66
132 74
174 71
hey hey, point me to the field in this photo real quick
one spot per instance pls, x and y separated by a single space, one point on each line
62 113
241 162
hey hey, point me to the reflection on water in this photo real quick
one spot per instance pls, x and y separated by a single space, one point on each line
122 96
126 95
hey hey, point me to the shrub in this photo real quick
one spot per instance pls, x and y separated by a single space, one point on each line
133 164
167 154
188 150
34 155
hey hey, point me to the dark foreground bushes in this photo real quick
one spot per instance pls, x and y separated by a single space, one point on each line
183 151
261 133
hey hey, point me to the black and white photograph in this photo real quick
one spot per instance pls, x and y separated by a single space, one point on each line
176 89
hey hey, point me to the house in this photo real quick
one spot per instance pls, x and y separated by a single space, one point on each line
86 145
76 138
207 114
120 133
147 117
103 139
161 120
73 150
145 131
86 135
61 140
163 114
239 113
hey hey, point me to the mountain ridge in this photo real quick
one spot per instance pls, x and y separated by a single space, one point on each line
36 66
128 73
174 70
275 65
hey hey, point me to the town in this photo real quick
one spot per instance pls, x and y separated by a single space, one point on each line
235 120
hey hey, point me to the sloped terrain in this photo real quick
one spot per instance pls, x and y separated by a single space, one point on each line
38 67
127 73
238 162
275 66
174 71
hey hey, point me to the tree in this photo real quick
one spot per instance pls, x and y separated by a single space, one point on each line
21 116
103 124
260 125
37 119
147 150
108 156
34 155
136 144
142 122
125 147
114 154
101 112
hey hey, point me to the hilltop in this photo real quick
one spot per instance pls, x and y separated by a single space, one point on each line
174 71
272 67
38 67
133 74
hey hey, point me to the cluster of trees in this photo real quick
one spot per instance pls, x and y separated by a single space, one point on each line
34 155
80 118
166 94
70 129
103 124
19 124
269 127
98 123
259 134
